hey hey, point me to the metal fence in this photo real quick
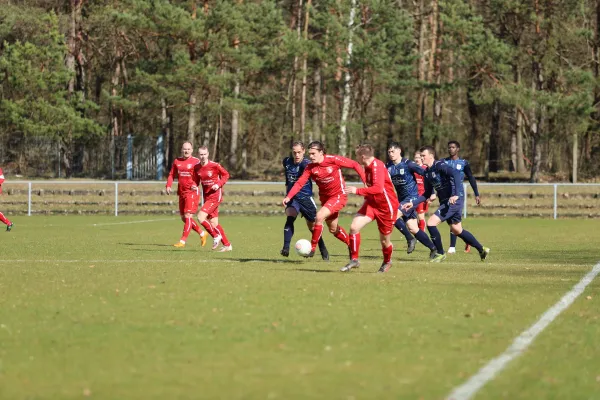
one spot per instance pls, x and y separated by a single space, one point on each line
552 200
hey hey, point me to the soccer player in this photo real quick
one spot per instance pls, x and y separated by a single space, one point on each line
443 178
182 170
423 207
380 205
302 203
325 171
6 221
212 176
402 172
463 166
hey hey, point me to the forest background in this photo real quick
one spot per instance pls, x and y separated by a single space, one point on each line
516 82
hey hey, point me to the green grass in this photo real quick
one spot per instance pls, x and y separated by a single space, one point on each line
115 312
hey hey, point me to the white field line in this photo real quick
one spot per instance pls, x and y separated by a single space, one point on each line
468 389
134 222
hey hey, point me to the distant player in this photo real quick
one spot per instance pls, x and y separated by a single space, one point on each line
212 176
402 172
381 205
302 203
182 170
463 166
325 171
9 225
443 178
423 207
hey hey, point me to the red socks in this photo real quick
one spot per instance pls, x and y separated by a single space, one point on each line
220 231
387 253
316 235
4 219
354 246
341 234
422 225
209 228
187 227
195 226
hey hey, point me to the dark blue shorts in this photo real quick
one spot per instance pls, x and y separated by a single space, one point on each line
306 207
451 213
411 213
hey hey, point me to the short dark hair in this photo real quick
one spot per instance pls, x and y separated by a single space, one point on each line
315 144
298 143
365 149
454 142
430 149
394 145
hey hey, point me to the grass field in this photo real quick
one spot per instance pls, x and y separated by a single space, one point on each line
104 307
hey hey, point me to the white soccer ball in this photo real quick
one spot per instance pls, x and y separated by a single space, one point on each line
303 247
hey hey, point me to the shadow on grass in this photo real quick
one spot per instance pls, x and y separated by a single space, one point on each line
266 260
146 244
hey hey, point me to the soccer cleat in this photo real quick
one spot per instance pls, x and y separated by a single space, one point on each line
325 255
350 265
179 244
216 241
432 253
9 227
203 239
468 248
411 246
484 253
438 258
285 252
451 250
224 249
385 267
311 254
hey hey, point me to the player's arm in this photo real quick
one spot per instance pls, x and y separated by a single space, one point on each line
172 176
422 198
348 163
415 169
297 186
224 176
472 182
378 182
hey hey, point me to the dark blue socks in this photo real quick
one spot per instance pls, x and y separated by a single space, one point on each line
436 239
288 232
401 226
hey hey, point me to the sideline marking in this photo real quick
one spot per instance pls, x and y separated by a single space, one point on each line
134 222
492 368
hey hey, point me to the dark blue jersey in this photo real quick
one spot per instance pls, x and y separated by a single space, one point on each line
403 178
442 178
464 168
292 172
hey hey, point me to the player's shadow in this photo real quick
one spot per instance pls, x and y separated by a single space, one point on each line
314 270
146 244
266 260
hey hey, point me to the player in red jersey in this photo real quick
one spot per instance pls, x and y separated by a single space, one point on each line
325 171
381 204
182 170
423 207
212 176
9 225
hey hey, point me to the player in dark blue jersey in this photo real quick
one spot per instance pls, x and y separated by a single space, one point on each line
443 179
302 202
464 168
402 172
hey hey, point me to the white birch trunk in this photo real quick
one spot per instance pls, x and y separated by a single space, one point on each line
343 139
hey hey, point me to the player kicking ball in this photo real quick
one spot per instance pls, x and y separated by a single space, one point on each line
443 178
380 205
211 176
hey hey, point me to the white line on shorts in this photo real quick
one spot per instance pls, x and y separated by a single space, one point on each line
468 389
134 222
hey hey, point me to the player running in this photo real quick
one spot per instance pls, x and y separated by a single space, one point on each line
402 172
302 203
212 176
182 170
6 221
463 166
325 171
423 207
380 205
443 178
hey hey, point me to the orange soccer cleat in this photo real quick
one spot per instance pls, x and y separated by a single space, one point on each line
203 239
179 244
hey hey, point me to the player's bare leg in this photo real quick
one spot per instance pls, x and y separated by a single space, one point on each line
336 229
432 224
359 222
322 248
387 248
288 230
469 239
222 237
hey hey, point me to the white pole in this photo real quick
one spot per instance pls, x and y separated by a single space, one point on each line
465 205
29 200
555 200
116 199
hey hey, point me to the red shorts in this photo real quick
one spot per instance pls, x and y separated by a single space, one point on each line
211 207
334 204
188 203
423 207
384 217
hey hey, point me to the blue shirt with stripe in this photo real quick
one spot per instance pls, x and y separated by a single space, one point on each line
293 171
403 178
464 168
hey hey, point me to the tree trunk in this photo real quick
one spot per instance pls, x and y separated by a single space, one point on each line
537 117
165 128
575 156
316 111
391 123
324 94
513 143
343 139
475 135
421 74
494 153
234 127
304 76
295 70
191 129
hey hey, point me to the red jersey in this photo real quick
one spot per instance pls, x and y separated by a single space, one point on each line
419 180
380 192
182 170
328 176
208 175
